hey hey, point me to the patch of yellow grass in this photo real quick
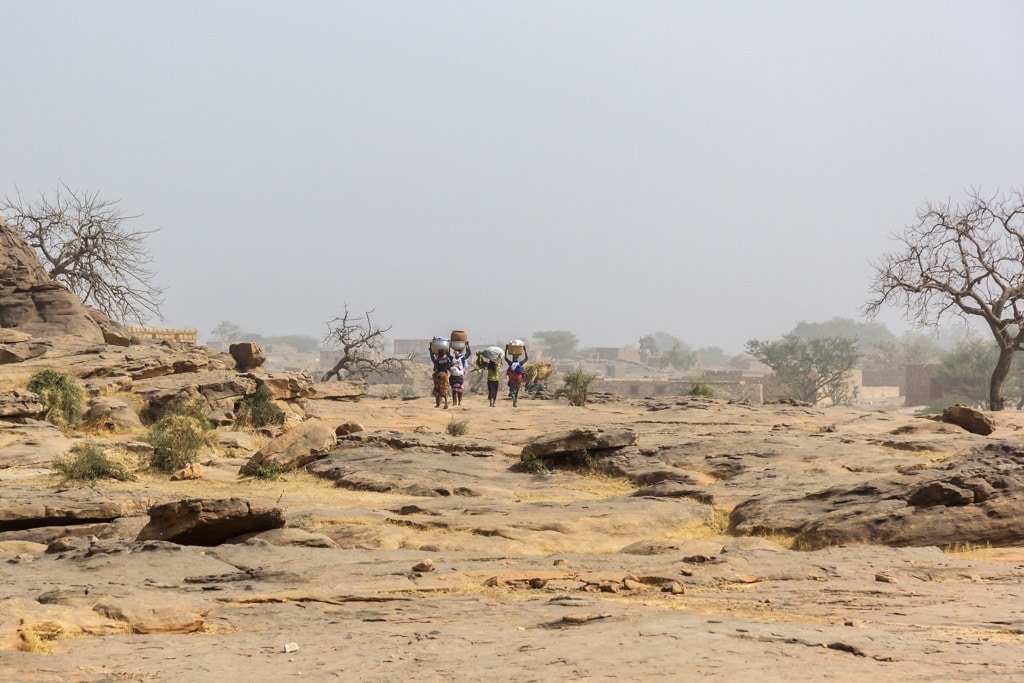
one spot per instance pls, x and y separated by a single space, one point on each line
39 637
966 550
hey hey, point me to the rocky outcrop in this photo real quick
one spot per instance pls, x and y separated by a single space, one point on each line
977 499
299 446
571 446
247 355
20 403
110 414
31 302
206 522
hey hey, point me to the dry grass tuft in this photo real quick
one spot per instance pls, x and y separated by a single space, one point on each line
965 550
39 637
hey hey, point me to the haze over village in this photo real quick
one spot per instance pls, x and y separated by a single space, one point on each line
455 341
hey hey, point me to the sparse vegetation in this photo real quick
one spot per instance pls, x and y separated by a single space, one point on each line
258 410
576 386
178 437
458 427
267 471
60 396
39 637
700 387
530 463
88 462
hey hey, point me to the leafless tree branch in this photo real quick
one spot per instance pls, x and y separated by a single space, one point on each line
84 243
961 260
362 346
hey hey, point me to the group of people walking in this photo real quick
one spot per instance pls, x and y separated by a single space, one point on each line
451 368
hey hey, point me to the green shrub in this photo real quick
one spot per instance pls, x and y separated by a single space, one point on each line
700 387
458 427
60 396
529 463
268 471
88 462
576 386
258 410
178 437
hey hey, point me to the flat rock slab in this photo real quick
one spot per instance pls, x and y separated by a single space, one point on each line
593 441
208 522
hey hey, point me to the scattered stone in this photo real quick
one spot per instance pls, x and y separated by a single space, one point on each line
538 583
347 428
424 566
885 578
493 582
110 414
675 588
974 421
291 647
193 470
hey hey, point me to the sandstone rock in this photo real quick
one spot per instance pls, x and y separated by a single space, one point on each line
247 356
340 391
193 470
345 428
114 333
110 414
19 353
301 445
288 385
290 537
590 442
30 443
208 522
19 403
9 336
972 420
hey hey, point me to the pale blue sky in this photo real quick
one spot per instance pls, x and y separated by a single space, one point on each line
719 171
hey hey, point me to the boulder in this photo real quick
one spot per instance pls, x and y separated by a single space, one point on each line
192 470
288 385
570 445
110 414
347 428
114 333
208 522
247 356
972 420
299 446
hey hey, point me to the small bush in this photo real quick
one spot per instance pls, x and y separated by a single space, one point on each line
259 410
576 386
529 463
699 387
178 437
458 427
268 471
88 462
60 396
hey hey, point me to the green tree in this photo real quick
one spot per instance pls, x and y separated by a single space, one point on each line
559 343
964 260
809 368
679 357
964 371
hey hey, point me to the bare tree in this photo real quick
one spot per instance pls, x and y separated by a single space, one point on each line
83 243
362 348
964 260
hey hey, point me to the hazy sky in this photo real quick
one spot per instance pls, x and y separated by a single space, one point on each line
717 170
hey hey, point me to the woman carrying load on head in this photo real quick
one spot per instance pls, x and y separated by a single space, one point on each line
442 365
515 374
493 375
457 375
